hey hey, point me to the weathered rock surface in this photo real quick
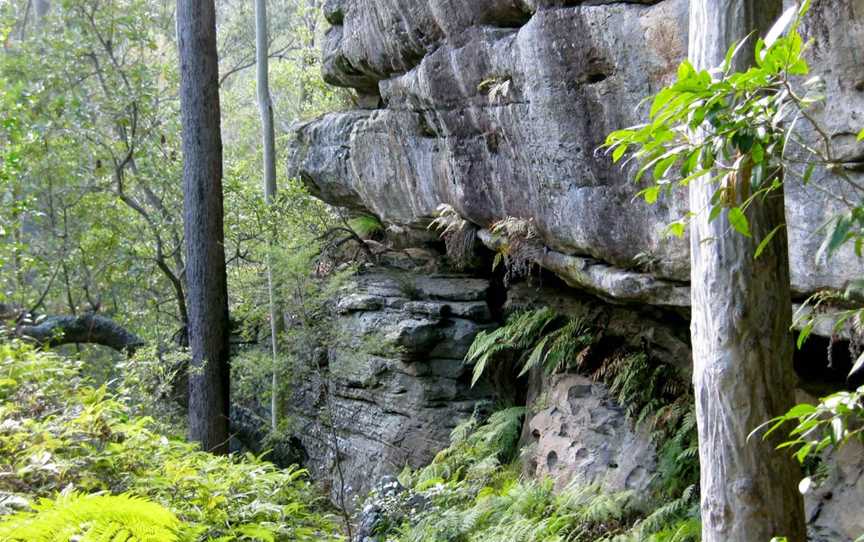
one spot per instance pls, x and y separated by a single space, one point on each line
834 508
497 108
578 434
397 383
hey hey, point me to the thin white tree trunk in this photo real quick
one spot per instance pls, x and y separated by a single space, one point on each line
268 136
741 317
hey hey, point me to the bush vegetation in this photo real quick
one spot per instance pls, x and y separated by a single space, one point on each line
75 458
474 491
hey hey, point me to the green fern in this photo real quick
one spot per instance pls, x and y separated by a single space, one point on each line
560 349
93 518
476 451
652 394
541 336
685 506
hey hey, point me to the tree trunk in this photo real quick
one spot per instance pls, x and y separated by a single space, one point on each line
202 212
742 346
268 137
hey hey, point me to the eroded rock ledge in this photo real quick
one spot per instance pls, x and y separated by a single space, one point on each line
497 108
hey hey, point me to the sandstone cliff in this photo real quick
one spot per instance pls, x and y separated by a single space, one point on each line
496 108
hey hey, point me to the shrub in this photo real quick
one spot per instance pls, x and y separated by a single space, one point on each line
61 434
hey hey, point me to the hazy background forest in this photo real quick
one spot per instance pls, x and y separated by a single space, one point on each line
92 198
91 175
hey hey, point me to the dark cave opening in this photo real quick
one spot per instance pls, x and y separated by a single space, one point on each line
823 364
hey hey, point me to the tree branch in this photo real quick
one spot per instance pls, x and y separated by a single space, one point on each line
85 329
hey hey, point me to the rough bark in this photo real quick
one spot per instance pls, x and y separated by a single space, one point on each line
203 225
741 317
268 137
86 329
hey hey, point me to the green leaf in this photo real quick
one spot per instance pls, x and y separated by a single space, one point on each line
799 411
802 454
805 332
663 97
739 221
757 152
860 136
618 153
761 248
808 173
715 212
651 194
685 71
676 228
663 166
759 51
838 236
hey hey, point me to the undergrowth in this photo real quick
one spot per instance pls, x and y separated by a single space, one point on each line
474 490
94 518
68 442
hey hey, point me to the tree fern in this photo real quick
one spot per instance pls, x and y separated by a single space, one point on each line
93 518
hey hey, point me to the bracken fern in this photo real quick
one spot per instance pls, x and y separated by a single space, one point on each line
93 518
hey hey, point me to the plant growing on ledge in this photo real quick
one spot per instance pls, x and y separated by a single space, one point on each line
520 248
458 234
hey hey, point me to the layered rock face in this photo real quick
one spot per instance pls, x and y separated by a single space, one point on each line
390 395
497 108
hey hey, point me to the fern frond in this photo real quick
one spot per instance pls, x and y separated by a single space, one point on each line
93 518
547 339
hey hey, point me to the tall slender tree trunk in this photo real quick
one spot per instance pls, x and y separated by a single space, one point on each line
742 346
203 226
268 137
